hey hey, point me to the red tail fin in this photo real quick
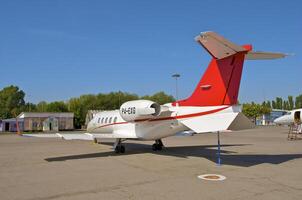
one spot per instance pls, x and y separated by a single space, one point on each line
220 83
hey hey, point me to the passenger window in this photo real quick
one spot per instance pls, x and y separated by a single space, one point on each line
110 120
115 119
99 120
102 120
106 120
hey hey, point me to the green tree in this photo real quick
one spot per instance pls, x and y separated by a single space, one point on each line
279 103
11 101
29 107
74 105
274 106
268 104
41 106
160 97
285 105
298 102
57 106
253 110
265 110
290 102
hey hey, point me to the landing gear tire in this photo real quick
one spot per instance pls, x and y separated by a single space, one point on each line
154 147
157 146
117 149
120 149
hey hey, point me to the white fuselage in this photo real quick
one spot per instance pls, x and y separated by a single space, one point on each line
289 118
111 122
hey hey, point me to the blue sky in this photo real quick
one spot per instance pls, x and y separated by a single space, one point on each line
55 50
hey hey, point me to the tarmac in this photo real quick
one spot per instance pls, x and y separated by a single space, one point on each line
258 164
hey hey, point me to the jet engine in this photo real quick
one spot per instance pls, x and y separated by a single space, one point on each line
139 109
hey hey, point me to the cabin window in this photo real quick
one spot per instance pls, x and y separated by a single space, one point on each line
102 120
110 120
106 119
99 120
115 119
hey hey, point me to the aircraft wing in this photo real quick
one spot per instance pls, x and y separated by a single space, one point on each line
82 136
118 134
65 136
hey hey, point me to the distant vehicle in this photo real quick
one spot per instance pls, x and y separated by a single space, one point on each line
212 106
291 117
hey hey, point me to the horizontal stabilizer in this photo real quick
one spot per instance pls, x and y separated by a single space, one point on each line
259 55
218 122
241 122
218 46
210 123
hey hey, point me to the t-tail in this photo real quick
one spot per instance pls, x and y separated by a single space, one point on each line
221 80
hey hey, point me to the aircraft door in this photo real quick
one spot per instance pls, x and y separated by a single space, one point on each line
297 117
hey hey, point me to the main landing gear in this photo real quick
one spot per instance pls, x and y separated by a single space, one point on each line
158 145
118 146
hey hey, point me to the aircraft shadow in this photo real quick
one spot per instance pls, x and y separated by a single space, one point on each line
205 151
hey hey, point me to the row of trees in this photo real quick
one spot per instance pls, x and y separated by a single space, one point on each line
285 104
254 110
12 103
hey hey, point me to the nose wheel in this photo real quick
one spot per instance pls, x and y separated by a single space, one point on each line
158 145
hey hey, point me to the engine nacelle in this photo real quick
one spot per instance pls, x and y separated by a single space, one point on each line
139 109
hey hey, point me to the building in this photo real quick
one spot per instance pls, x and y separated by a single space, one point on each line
10 125
44 121
268 119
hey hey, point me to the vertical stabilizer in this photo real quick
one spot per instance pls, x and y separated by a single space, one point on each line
221 80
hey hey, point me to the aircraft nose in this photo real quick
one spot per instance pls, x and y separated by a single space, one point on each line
278 120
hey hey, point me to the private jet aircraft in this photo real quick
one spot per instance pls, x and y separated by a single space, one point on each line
291 117
212 106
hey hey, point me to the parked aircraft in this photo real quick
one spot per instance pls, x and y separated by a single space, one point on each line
291 117
212 106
